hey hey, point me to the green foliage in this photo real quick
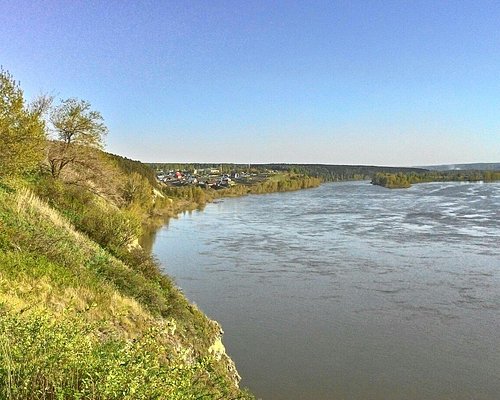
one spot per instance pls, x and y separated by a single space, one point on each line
329 173
325 172
46 358
84 312
391 181
269 184
76 123
109 226
77 128
137 191
22 130
285 183
405 180
129 166
490 176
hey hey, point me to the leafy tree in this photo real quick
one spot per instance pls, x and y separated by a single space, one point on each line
137 190
22 129
77 128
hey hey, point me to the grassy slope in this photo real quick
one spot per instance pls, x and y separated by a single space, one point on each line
76 321
85 314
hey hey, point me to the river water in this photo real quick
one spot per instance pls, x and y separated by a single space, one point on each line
350 291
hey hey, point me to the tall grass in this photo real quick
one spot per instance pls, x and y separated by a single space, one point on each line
85 319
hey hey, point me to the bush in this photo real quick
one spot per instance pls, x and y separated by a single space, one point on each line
110 228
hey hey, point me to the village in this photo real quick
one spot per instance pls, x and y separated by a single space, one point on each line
209 177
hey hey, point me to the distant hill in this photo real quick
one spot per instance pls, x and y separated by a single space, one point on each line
465 167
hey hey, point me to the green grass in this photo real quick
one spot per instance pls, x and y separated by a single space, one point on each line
46 358
85 316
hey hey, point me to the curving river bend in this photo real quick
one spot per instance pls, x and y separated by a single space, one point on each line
350 291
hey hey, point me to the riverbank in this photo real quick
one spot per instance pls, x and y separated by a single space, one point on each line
177 200
349 291
85 314
72 275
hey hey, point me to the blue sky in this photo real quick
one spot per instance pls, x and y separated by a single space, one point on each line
340 82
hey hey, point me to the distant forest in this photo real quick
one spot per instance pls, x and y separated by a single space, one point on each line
327 173
405 180
332 173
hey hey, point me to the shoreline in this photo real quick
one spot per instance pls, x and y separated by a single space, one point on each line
180 205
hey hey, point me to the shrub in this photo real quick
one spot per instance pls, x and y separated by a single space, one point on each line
110 228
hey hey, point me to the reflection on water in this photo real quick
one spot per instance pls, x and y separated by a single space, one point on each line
350 291
147 240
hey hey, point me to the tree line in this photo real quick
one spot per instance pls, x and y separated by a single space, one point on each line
405 180
334 173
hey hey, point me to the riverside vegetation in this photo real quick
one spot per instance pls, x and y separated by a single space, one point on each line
84 312
405 180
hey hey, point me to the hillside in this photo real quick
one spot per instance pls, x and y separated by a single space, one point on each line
84 311
82 315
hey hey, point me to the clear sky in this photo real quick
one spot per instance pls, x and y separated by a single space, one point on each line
339 82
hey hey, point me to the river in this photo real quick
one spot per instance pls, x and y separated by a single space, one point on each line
350 291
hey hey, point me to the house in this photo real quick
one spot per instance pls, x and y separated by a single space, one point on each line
225 181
